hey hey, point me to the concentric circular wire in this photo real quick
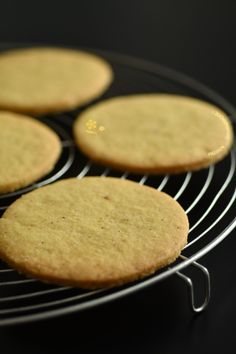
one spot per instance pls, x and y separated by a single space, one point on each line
208 197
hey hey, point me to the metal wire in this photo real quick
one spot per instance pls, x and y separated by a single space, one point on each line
203 190
184 186
207 287
85 170
163 183
223 187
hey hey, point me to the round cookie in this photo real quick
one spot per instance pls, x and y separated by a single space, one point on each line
94 232
28 150
154 133
44 80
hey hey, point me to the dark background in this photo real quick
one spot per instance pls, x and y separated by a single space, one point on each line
199 39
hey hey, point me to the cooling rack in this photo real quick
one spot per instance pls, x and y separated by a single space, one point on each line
208 197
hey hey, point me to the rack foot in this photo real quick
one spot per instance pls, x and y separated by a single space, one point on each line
190 285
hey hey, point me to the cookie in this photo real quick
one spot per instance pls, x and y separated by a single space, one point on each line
92 233
154 133
44 80
28 150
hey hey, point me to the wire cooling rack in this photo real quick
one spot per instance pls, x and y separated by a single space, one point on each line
208 197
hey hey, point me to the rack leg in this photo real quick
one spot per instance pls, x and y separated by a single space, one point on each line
189 282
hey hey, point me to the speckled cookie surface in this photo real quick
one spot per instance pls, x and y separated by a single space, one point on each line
28 151
154 133
42 80
94 232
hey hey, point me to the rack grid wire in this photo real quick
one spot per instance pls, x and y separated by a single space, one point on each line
208 197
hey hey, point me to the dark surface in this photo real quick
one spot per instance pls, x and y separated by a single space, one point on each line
195 37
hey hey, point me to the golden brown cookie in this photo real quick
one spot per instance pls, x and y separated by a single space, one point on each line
154 133
28 150
43 80
94 232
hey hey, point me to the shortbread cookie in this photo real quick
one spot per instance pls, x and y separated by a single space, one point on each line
28 150
44 80
154 133
94 232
